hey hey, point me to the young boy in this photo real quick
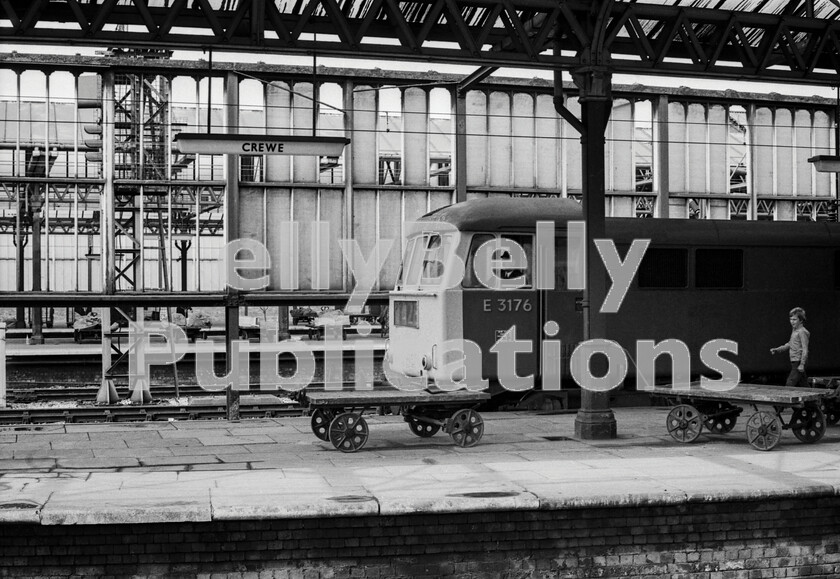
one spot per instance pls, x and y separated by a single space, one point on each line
798 348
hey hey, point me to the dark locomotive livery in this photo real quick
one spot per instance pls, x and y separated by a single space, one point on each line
699 280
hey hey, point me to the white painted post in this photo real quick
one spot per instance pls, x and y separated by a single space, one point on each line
718 151
304 167
763 170
696 161
661 155
476 122
783 148
522 143
548 146
677 159
500 153
822 146
415 111
802 143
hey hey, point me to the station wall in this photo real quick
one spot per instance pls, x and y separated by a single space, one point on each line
670 153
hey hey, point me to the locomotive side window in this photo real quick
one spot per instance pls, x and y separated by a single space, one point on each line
527 243
524 241
470 279
719 268
663 268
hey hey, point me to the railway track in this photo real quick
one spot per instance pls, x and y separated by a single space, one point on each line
79 407
29 392
143 413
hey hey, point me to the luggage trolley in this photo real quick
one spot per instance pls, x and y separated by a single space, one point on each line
337 415
831 402
718 412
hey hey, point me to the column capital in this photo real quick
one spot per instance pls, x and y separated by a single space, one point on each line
594 83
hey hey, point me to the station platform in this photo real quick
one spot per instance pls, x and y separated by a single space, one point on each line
266 496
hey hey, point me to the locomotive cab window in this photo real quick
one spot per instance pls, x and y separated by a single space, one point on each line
513 266
664 268
719 268
424 263
432 260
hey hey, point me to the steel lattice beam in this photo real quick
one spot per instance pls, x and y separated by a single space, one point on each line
793 46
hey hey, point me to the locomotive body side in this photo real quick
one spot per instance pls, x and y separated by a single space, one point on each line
699 281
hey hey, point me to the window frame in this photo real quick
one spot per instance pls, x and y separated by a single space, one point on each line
472 247
687 265
737 250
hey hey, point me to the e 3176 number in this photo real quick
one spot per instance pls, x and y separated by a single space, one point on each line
507 305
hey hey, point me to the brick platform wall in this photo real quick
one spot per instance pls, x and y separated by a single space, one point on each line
771 538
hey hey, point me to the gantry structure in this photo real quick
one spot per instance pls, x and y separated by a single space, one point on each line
792 41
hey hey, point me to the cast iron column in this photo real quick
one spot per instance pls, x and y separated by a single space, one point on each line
231 111
595 419
36 202
20 255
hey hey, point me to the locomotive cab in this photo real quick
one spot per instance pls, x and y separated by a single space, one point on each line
469 282
425 312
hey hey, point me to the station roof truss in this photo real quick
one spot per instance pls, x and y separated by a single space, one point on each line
770 40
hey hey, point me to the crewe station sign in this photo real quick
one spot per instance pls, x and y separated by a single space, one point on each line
216 144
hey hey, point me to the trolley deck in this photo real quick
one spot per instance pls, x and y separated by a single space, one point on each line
719 411
337 415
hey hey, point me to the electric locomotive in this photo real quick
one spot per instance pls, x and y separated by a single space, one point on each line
699 280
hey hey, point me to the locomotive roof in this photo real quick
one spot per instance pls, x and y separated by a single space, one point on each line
506 213
520 214
723 232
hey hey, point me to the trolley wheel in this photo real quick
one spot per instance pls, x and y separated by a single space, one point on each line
831 409
808 424
348 432
721 416
684 423
422 429
466 427
320 423
764 430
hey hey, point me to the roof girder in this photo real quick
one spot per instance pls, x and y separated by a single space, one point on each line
642 38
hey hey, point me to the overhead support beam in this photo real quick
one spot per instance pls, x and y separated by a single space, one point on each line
643 38
473 79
